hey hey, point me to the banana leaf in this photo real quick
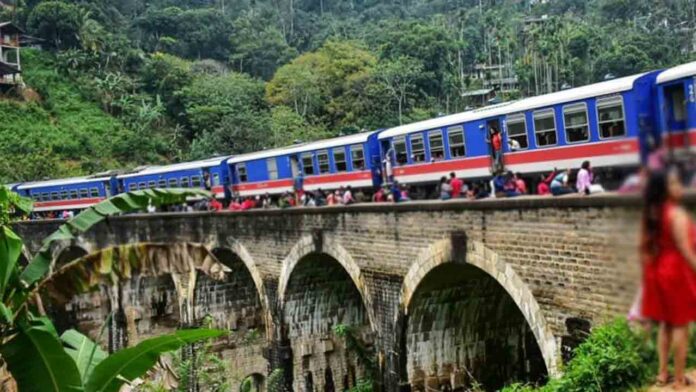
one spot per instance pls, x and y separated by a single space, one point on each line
10 250
131 363
83 351
37 360
122 203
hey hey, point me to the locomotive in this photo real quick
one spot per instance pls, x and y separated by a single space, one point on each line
615 124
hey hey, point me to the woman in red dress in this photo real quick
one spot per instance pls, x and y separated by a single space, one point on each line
669 277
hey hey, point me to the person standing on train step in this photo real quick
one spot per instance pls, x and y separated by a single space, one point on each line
388 167
206 181
497 146
456 185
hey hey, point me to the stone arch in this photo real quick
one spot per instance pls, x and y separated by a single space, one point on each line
320 287
254 382
69 252
490 263
329 246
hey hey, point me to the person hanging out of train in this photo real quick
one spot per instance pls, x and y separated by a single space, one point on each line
559 184
496 140
206 180
388 166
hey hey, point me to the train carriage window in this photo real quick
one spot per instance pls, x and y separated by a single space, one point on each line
55 196
357 156
323 160
517 131
73 194
455 136
84 193
196 181
184 182
399 144
45 197
610 115
142 185
36 197
272 166
577 126
132 187
94 192
437 146
162 183
545 127
417 148
307 164
339 155
216 179
173 183
241 172
64 195
151 184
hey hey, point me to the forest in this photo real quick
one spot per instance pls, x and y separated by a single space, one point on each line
122 83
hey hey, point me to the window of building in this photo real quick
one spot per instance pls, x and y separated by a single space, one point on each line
94 192
84 193
437 146
610 117
184 182
399 144
241 172
307 164
323 161
339 155
64 195
132 187
357 156
272 166
73 194
517 130
577 126
545 127
196 181
455 137
173 183
417 148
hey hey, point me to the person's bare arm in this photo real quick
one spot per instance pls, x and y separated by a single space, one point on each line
680 231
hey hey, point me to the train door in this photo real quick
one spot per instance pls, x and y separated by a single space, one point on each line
675 116
494 136
294 166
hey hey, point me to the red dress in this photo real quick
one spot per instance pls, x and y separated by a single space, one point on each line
669 282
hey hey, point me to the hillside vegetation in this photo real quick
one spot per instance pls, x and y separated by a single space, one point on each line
130 82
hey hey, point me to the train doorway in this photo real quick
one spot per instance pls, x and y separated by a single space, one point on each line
675 117
494 135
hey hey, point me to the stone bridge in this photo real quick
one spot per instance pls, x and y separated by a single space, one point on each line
439 293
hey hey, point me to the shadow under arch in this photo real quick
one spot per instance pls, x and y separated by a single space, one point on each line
485 264
321 287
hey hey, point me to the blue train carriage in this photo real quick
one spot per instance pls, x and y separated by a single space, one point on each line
676 107
66 194
181 175
600 122
328 164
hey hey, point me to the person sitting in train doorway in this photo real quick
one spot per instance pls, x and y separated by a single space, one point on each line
206 180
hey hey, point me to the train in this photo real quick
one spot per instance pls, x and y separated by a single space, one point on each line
615 124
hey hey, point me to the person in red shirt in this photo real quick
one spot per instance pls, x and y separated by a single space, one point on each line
456 185
236 205
248 204
544 183
215 205
521 185
497 145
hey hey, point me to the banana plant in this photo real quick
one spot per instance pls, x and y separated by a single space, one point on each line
39 359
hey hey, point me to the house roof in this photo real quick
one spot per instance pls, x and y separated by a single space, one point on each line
11 27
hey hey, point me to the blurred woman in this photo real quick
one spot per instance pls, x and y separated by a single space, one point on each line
445 189
669 277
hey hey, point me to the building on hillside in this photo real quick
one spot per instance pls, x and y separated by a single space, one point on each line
10 64
500 77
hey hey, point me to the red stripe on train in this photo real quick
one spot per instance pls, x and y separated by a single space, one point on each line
61 203
313 180
588 150
681 138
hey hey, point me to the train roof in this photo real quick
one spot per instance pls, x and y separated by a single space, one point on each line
63 181
574 94
678 72
176 167
310 146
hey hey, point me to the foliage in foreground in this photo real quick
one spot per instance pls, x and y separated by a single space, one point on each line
37 358
613 358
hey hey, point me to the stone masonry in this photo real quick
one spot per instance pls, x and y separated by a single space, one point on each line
441 293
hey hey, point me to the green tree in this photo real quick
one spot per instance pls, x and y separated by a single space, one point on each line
57 22
397 77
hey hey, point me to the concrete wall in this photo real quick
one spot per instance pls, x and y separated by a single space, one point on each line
524 269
